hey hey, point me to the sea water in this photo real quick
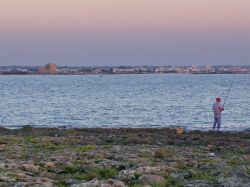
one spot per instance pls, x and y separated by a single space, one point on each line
112 101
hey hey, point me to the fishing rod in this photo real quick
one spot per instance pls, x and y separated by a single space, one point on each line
228 93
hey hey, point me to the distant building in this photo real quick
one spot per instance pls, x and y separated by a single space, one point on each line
208 69
194 69
48 69
235 69
51 68
125 71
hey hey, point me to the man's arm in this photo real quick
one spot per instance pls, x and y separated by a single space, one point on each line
221 108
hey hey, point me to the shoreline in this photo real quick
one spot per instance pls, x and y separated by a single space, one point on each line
125 157
187 130
98 74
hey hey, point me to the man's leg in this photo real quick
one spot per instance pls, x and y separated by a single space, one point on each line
218 123
215 122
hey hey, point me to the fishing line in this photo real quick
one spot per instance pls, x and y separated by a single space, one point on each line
228 91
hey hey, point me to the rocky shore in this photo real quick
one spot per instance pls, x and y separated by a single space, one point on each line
123 157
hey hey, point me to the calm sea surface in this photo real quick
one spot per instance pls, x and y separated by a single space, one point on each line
165 100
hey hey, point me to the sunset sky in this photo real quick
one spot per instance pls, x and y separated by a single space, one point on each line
125 32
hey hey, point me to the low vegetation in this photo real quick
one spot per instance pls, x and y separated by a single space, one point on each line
53 157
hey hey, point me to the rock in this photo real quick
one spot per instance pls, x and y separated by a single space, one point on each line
87 184
146 170
121 166
211 154
101 183
3 129
156 170
6 179
110 156
233 181
40 185
25 127
127 175
50 175
114 164
198 183
117 148
180 176
9 165
21 177
72 181
20 184
115 183
152 180
2 166
45 181
30 167
50 165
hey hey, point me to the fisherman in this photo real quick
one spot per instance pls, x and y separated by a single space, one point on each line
217 108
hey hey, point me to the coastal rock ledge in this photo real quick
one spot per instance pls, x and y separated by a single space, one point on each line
40 157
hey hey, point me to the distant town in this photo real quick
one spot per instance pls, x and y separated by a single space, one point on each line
53 69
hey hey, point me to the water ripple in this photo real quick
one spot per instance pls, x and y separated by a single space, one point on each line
167 100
